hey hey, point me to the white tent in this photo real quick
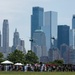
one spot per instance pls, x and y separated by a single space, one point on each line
18 64
6 62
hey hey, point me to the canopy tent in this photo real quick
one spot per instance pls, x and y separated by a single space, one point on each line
6 62
18 64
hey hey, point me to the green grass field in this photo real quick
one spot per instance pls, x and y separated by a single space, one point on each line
37 73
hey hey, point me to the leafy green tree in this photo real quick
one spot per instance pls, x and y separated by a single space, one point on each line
31 57
16 56
1 57
59 62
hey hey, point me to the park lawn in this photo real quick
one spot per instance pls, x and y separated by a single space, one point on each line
37 73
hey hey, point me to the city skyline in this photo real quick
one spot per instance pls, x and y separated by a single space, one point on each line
19 13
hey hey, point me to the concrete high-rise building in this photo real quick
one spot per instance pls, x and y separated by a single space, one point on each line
65 53
39 43
18 43
73 22
63 35
72 56
16 39
5 36
22 43
72 38
53 54
36 20
0 39
50 27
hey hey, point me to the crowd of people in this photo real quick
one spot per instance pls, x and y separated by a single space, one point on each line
38 67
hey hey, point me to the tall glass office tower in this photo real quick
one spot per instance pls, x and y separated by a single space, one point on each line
63 35
5 36
73 22
72 38
50 27
51 20
36 20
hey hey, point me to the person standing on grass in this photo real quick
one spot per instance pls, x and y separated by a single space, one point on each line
26 67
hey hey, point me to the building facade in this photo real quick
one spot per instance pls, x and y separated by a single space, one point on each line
39 43
50 27
36 20
73 22
63 35
72 56
53 54
72 38
22 43
16 39
0 39
65 53
5 36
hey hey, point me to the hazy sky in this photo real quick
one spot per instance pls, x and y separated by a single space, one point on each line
18 12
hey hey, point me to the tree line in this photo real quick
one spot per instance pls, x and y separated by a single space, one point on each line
29 58
19 57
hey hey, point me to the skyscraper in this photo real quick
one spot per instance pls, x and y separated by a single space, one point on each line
36 19
51 20
72 38
73 22
72 57
53 54
39 43
50 27
5 36
16 39
22 43
0 39
64 53
63 35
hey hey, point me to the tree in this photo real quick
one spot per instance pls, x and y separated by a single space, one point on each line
1 57
31 57
16 56
59 62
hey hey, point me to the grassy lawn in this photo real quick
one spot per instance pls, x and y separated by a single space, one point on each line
37 73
